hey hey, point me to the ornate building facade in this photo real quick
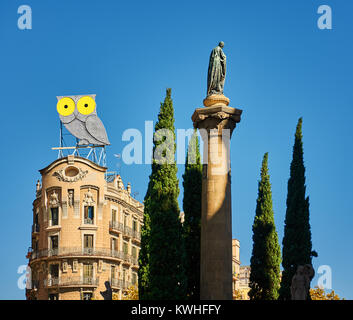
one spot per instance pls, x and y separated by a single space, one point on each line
241 274
243 282
86 231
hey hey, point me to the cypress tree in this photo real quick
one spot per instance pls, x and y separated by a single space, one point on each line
266 253
192 184
297 234
161 272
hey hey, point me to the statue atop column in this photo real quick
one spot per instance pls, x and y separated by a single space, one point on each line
216 122
216 71
215 78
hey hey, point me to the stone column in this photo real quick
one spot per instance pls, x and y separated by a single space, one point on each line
216 122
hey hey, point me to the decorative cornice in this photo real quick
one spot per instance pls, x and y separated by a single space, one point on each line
60 175
124 203
216 117
70 161
219 113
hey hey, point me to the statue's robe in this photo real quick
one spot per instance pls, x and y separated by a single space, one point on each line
216 71
107 294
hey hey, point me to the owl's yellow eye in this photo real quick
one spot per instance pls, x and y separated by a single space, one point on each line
65 106
86 105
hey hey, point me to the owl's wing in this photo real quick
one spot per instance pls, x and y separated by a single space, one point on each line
77 128
96 128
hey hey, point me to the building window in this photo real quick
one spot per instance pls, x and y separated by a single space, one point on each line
134 278
89 214
54 216
134 225
54 270
126 247
114 244
54 245
88 273
134 252
114 215
54 274
112 272
88 243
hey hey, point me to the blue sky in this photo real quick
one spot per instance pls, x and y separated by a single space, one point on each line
280 67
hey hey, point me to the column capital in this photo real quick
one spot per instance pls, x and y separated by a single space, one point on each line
216 117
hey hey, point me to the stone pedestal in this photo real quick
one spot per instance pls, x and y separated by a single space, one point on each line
216 122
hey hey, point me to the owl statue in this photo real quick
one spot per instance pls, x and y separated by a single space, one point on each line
79 116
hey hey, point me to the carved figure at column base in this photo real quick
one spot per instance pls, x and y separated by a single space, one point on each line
301 282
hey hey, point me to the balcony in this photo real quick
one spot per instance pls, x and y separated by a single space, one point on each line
121 284
136 235
128 231
35 228
117 254
116 226
134 260
78 252
51 282
53 252
72 281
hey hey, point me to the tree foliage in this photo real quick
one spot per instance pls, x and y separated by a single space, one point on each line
320 294
161 271
131 293
192 183
297 246
266 253
237 295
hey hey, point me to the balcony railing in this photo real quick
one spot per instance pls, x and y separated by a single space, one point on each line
136 235
35 227
71 281
51 282
75 251
88 251
118 226
118 283
134 261
88 221
53 252
128 231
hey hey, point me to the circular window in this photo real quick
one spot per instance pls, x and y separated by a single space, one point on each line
71 172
